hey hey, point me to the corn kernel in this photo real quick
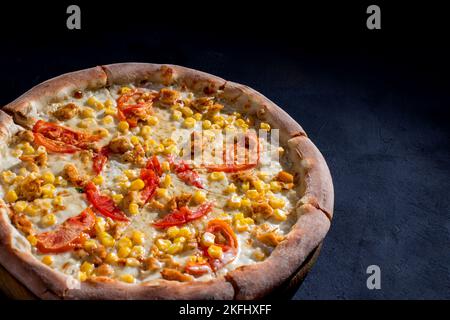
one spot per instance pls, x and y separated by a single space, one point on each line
100 224
58 201
110 111
162 193
197 116
86 123
279 215
165 166
208 239
152 120
245 186
123 252
91 101
109 103
246 203
32 210
159 148
117 198
275 186
145 131
137 185
111 258
216 176
241 123
189 122
32 240
185 232
48 260
8 177
234 202
173 231
98 180
87 113
199 197
276 203
20 206
179 240
60 181
240 225
82 276
176 115
132 262
106 239
133 208
231 188
11 196
259 185
125 242
123 126
135 140
48 220
108 120
163 244
206 124
138 237
128 278
175 248
125 90
252 194
265 126
137 252
99 105
28 149
186 111
215 251
90 245
171 149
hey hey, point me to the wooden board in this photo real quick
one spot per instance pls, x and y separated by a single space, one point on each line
13 289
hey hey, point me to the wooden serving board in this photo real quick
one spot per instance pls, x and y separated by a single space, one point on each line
11 288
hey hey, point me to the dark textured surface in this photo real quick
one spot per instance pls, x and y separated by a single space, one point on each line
380 117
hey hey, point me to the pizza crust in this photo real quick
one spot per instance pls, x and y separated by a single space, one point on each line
247 282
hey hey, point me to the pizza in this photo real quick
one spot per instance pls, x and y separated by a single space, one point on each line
146 181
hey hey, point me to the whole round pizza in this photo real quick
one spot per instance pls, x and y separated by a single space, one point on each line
147 181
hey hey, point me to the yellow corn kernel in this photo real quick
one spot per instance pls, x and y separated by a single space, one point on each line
124 185
186 111
48 220
90 245
245 186
189 122
32 240
137 185
87 268
138 237
32 210
197 116
117 198
48 177
100 224
173 232
179 240
159 148
58 201
215 251
123 252
252 194
108 120
109 103
99 105
259 185
206 124
11 196
98 180
241 226
106 239
199 197
133 208
176 115
111 258
216 176
91 101
87 113
132 262
128 278
152 120
275 186
17 153
60 181
125 242
246 203
48 260
102 132
231 188
145 131
258 255
238 216
208 239
167 181
279 215
82 276
175 248
123 126
276 203
265 126
20 206
162 193
86 123
135 140
130 174
8 177
234 202
185 232
163 244
137 252
48 190
124 90
171 149
241 123
28 149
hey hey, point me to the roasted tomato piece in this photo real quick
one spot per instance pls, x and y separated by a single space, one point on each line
103 204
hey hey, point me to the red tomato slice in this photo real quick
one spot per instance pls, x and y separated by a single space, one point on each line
103 204
68 235
197 268
100 160
125 112
54 146
183 215
229 248
150 175
186 173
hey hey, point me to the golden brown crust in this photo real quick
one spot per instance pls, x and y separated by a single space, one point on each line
317 188
25 108
257 280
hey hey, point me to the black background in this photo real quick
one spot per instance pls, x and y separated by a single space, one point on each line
375 102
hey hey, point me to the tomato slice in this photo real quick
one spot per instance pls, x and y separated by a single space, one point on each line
127 112
68 235
150 175
100 160
183 215
229 247
103 204
54 146
65 135
186 173
197 268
